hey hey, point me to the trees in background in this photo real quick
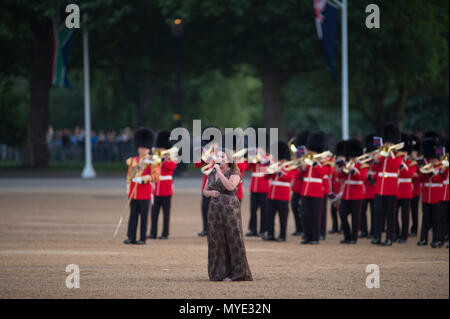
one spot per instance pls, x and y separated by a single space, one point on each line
246 62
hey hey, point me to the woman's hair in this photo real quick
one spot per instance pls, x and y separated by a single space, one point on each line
230 158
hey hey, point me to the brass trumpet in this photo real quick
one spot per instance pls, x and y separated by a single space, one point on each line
273 168
386 150
240 153
445 160
310 158
169 153
427 169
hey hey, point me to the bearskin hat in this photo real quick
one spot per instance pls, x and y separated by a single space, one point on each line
340 148
368 143
143 137
429 148
283 151
391 133
406 138
353 148
163 140
433 135
415 143
316 142
301 138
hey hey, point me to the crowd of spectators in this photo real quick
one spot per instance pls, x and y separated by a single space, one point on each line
107 146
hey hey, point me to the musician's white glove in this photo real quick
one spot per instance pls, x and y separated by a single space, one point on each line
138 180
147 161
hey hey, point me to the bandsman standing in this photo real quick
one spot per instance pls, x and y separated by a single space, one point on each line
278 195
432 194
336 186
299 142
312 190
369 195
140 175
259 186
405 190
163 188
417 188
389 163
353 174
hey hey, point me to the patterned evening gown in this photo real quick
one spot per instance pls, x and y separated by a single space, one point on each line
226 250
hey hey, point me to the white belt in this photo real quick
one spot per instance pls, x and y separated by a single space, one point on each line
325 176
432 185
388 174
313 180
354 182
258 174
445 182
371 173
165 178
277 183
405 180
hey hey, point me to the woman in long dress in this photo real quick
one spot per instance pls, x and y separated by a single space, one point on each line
227 260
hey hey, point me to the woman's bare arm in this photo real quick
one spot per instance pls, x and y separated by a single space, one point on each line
230 183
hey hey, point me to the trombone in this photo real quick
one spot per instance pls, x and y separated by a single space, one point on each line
308 159
386 150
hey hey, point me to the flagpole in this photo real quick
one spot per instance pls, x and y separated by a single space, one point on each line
345 125
88 171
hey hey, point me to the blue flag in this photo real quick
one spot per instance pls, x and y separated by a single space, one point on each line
326 16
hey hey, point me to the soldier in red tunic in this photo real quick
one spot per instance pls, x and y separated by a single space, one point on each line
300 140
327 163
312 190
417 188
386 186
353 175
405 190
432 194
163 188
369 184
445 190
139 185
336 187
259 186
278 195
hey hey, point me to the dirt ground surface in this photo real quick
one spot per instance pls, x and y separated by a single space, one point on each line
49 223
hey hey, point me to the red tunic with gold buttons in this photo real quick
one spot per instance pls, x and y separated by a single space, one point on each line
445 185
354 188
164 186
258 184
336 183
312 185
432 187
387 177
417 187
143 191
280 185
326 178
370 185
405 184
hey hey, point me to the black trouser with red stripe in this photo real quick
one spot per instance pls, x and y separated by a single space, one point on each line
295 205
258 200
432 217
366 203
138 207
205 207
164 203
282 207
415 214
353 208
334 219
403 205
311 209
384 214
323 216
